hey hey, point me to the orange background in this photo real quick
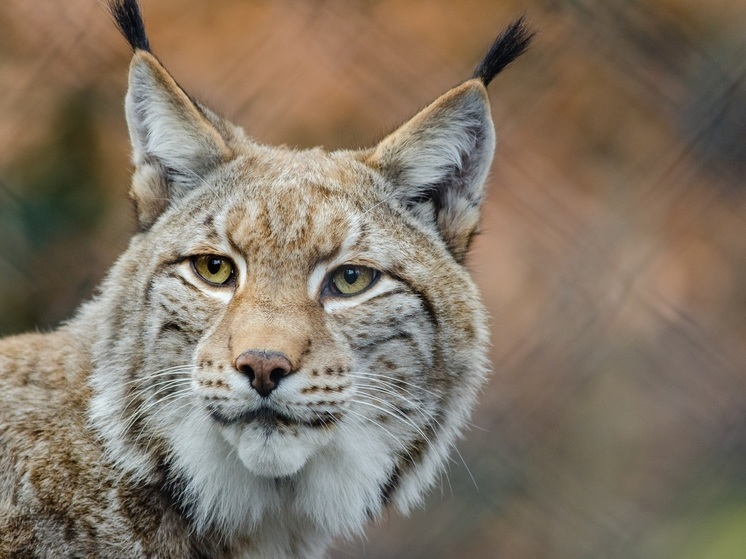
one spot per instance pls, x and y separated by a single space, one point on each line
612 259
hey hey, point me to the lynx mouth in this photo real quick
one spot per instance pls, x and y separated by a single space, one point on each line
274 444
270 418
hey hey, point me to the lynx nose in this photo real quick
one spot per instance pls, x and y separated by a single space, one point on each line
265 369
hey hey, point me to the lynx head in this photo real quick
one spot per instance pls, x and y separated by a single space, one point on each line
293 332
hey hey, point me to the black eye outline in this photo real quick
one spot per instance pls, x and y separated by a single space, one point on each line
332 289
198 259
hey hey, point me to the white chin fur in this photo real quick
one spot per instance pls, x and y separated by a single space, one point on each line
272 453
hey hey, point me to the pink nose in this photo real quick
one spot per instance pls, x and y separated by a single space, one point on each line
265 369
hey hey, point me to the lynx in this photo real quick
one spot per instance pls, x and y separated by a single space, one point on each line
289 345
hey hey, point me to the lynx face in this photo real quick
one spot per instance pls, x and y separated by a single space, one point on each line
314 316
326 337
293 321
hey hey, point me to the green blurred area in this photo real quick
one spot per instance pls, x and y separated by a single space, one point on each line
612 259
52 205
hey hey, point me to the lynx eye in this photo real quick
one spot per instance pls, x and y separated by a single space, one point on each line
215 270
351 280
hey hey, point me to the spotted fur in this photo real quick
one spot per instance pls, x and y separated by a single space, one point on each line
132 431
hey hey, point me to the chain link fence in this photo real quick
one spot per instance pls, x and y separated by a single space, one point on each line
612 258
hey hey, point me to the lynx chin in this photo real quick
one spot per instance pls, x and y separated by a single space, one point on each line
289 344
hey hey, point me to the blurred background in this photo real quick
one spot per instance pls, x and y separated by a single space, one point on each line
612 259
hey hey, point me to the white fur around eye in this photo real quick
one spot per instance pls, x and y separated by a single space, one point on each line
223 294
382 285
316 280
317 288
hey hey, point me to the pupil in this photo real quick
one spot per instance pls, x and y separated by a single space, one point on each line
351 275
214 265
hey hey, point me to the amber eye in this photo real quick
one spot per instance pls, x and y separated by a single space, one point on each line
216 270
351 280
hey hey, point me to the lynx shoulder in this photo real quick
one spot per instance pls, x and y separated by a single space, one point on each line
289 344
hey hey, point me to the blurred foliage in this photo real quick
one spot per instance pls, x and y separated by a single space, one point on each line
613 258
57 207
53 202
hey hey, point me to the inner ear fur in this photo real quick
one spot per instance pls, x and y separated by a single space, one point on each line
437 163
175 142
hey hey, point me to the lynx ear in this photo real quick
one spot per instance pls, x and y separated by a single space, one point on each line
174 142
439 160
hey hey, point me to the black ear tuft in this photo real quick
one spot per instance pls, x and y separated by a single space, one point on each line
128 18
508 46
